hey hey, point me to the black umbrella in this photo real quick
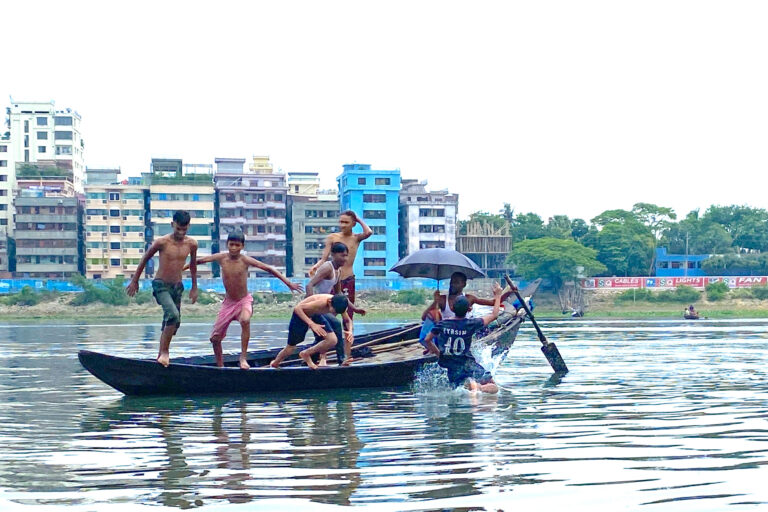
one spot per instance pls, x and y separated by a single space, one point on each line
436 264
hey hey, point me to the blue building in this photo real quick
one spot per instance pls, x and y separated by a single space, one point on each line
374 196
678 265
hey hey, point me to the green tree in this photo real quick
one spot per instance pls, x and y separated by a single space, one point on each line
527 226
625 249
656 219
746 225
697 236
558 260
559 226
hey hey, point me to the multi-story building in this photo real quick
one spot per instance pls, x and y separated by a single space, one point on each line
172 188
373 195
7 187
48 230
116 225
41 133
303 184
427 219
310 220
254 202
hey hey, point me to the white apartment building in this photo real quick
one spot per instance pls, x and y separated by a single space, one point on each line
427 219
39 133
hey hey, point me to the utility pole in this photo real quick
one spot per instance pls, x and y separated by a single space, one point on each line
686 254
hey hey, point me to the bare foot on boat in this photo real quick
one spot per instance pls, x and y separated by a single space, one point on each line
307 359
274 364
323 361
347 362
244 364
164 359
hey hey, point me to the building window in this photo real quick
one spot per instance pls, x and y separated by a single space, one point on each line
675 264
115 262
375 214
114 213
278 197
432 245
62 121
361 181
26 126
3 163
375 273
3 178
3 207
114 196
42 135
313 245
379 230
114 245
431 228
3 192
114 229
382 181
41 149
62 135
374 198
63 150
375 246
375 262
431 212
3 149
310 261
42 121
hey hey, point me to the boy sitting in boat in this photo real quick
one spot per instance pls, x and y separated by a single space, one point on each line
313 313
454 341
238 303
167 287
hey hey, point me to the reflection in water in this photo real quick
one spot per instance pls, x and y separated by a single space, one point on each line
651 413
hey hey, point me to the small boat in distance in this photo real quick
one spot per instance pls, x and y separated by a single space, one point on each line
690 313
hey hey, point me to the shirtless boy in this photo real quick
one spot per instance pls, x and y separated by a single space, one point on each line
238 303
167 287
347 220
312 313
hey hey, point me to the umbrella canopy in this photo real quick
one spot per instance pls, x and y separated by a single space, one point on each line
436 264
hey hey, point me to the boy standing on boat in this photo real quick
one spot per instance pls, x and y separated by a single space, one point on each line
313 313
454 341
347 220
167 287
238 303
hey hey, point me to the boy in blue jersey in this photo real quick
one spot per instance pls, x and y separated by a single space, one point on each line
454 341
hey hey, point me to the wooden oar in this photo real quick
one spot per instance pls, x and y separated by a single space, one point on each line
548 348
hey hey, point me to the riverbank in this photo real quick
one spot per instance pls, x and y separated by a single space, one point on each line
380 307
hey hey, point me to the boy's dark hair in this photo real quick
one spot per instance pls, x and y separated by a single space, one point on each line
181 217
461 275
348 213
461 306
339 247
339 303
236 236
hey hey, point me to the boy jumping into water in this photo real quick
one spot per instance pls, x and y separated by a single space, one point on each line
454 341
238 303
313 313
167 287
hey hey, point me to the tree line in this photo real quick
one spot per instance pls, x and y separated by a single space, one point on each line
624 242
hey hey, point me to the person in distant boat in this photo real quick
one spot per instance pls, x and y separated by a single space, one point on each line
347 220
327 280
316 307
167 287
238 303
690 312
451 340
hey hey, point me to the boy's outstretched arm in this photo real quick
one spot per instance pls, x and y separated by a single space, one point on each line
294 287
193 271
207 259
496 305
133 286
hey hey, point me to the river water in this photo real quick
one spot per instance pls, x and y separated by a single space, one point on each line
654 415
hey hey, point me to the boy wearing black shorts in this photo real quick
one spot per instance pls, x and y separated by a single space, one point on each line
313 313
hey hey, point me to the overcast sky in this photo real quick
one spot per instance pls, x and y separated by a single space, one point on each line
556 107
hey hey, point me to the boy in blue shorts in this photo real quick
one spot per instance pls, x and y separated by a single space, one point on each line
453 342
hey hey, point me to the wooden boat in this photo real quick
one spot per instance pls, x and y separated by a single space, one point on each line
385 358
689 316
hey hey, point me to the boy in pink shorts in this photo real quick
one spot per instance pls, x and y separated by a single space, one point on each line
238 303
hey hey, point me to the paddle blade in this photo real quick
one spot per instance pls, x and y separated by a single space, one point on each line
555 359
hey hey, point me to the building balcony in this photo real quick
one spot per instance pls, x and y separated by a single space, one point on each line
46 267
46 251
40 218
223 205
227 221
46 235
